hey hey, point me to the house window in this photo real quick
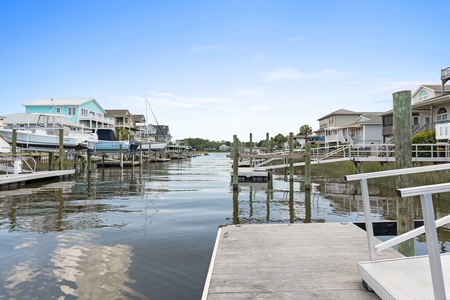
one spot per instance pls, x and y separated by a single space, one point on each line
58 109
423 95
72 111
441 115
84 112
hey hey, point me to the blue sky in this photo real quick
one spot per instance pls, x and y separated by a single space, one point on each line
212 69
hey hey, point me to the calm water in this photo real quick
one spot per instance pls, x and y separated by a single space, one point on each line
149 234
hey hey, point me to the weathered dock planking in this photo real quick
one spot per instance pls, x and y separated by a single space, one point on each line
22 178
289 261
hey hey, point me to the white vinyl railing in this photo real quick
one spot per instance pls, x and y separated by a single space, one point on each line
430 224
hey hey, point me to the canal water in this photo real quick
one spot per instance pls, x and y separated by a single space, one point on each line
147 234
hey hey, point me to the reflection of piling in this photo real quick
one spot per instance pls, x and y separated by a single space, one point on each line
235 206
308 166
403 159
235 162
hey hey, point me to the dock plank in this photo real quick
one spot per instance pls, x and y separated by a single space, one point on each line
289 261
42 175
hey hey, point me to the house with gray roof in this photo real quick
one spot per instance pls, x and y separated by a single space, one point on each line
349 127
430 106
123 118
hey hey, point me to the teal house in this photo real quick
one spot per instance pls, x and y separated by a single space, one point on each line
85 111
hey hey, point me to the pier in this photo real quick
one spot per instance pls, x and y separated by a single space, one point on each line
22 178
273 261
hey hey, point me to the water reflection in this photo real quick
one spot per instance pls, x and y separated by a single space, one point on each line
91 271
76 267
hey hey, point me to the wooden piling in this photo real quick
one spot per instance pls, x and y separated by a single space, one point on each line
291 160
251 149
14 142
267 143
61 149
403 159
121 156
235 162
308 166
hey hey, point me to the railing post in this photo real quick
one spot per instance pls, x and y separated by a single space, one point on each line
432 246
368 218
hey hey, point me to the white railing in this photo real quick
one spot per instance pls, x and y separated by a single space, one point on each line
430 224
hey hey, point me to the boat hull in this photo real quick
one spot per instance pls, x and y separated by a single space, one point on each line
28 139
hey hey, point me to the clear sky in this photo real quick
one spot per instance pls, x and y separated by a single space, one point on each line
215 68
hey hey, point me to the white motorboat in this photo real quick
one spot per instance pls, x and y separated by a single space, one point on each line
42 132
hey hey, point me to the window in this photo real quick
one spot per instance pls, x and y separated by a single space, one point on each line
58 109
84 112
72 111
441 114
423 95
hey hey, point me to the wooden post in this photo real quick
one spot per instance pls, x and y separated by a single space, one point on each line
61 148
89 161
51 158
267 143
403 159
308 166
121 156
14 142
235 162
291 160
251 150
140 155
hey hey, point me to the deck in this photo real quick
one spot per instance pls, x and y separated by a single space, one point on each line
289 261
22 178
406 278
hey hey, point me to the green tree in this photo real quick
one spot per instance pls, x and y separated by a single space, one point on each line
279 141
123 134
305 130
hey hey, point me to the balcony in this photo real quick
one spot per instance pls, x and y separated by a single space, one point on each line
445 74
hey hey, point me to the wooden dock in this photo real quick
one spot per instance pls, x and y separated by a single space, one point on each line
289 261
22 178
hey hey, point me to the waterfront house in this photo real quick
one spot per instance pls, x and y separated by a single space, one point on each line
123 118
141 125
350 127
430 105
85 111
4 146
162 133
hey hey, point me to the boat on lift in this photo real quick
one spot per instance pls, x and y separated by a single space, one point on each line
41 132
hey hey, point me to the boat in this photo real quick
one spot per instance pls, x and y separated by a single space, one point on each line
152 145
42 132
107 142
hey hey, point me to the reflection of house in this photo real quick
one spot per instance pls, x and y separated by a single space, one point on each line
123 118
85 111
349 127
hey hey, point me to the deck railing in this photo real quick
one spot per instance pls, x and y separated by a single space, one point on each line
430 224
